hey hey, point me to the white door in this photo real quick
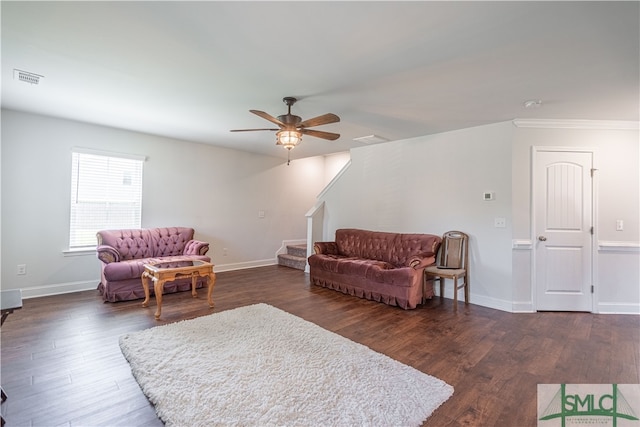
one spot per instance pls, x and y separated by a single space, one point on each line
562 200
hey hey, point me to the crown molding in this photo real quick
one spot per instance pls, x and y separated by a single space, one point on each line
577 124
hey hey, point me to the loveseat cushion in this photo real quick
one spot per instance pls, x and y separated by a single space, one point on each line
147 243
133 268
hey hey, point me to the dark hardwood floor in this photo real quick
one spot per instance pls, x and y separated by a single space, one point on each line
61 363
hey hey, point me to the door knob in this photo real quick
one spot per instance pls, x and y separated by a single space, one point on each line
542 238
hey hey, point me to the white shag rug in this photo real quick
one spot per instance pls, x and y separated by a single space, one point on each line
260 366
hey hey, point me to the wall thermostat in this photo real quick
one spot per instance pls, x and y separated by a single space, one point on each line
487 195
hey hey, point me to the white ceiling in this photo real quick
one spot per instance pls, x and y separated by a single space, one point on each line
192 70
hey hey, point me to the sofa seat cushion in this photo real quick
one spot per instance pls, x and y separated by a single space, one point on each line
374 270
328 262
361 267
133 268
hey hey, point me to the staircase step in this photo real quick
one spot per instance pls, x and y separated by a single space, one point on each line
292 261
297 250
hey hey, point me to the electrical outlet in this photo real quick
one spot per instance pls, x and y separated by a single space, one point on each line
499 222
224 252
22 269
619 225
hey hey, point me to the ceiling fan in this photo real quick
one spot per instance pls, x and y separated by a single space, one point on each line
291 127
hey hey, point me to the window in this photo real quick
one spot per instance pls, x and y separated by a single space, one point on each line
106 193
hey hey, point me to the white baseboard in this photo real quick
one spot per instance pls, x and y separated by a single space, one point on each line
495 303
603 308
244 265
92 284
522 307
60 288
482 300
618 308
485 301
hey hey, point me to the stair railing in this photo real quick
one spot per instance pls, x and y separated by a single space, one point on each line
315 228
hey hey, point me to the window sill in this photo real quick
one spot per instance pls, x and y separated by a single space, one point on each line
79 251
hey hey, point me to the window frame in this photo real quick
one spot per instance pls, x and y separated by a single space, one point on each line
90 249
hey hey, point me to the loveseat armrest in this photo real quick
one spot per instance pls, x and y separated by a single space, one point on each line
325 248
107 254
195 247
421 260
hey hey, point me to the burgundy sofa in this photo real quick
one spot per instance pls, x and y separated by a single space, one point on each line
379 266
123 253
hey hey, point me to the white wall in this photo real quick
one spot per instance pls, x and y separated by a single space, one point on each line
433 184
216 191
429 184
617 196
334 164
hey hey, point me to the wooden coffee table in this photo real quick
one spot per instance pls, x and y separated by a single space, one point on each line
161 272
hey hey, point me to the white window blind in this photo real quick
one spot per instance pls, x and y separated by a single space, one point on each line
106 193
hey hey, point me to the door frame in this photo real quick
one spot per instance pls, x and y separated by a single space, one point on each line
594 220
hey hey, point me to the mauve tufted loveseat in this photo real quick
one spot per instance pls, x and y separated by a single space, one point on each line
376 265
123 253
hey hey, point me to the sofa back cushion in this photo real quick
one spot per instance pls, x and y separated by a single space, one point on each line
146 243
394 248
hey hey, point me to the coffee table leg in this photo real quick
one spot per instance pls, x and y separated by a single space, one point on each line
158 287
145 286
212 282
194 279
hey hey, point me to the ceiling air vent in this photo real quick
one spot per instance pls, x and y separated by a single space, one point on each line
27 77
371 139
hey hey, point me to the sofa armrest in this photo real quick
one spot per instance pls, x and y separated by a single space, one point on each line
325 248
421 260
195 247
107 254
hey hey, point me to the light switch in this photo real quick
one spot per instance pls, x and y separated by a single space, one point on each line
260 214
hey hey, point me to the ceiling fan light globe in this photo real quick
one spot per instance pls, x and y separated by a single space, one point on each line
288 138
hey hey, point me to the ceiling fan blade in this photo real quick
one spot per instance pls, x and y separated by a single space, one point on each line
248 130
321 134
320 120
267 116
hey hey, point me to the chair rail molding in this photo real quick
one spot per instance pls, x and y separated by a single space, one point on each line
522 244
612 246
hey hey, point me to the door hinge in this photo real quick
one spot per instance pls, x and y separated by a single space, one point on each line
591 230
591 288
593 170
